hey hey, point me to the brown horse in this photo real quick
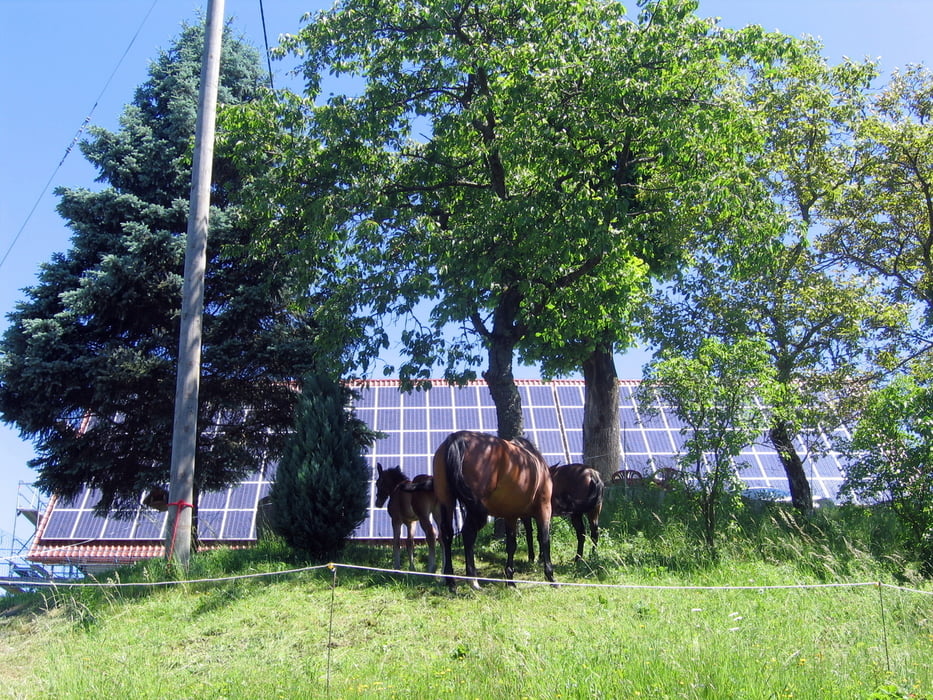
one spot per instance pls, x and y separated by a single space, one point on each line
491 476
410 501
577 491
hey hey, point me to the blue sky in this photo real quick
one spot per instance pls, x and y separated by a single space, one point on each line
64 60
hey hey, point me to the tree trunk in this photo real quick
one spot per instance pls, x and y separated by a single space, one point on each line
501 340
501 383
800 493
601 434
709 525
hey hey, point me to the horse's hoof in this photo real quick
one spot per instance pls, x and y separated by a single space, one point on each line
475 585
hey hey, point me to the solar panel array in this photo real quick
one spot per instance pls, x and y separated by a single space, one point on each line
414 425
223 516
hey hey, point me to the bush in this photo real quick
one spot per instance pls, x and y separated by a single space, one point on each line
890 453
320 494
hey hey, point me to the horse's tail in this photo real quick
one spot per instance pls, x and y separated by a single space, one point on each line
596 489
453 466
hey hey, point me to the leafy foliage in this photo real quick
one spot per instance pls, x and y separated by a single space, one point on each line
824 325
719 392
890 455
321 489
524 168
882 223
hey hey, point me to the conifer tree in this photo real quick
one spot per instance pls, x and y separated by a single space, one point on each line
87 365
320 493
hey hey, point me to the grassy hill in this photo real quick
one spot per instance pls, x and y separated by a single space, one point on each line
780 613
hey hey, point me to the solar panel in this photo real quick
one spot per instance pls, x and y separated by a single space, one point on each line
413 426
60 523
227 515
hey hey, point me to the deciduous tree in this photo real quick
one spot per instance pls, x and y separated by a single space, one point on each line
882 222
719 392
527 168
824 324
890 455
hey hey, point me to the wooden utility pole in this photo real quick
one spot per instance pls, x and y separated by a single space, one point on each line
185 429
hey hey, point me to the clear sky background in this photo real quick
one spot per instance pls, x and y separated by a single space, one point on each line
62 61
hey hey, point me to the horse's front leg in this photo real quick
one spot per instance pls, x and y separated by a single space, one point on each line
410 543
396 544
529 540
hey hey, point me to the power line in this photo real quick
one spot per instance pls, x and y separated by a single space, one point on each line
77 136
265 36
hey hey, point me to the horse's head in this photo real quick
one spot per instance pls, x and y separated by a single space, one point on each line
386 481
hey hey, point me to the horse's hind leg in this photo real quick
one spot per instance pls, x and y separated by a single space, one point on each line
430 536
529 539
396 545
544 544
511 544
577 520
471 525
594 526
446 526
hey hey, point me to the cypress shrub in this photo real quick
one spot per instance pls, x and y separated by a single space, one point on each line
321 490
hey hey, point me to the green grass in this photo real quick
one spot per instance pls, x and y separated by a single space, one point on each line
380 635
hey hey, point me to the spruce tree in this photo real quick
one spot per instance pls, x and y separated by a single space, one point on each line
321 488
87 365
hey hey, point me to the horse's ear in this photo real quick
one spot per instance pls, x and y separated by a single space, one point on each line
378 468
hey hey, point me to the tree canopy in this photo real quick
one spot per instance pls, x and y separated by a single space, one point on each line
824 324
882 221
525 169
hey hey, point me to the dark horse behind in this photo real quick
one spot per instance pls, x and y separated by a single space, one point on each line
409 501
577 491
507 479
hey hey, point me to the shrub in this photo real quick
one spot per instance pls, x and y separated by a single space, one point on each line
890 454
320 493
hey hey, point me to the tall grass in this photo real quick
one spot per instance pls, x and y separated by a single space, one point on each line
631 635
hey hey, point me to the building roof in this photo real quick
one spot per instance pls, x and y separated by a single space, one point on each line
414 425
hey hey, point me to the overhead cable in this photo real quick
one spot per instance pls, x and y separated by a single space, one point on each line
265 36
77 136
